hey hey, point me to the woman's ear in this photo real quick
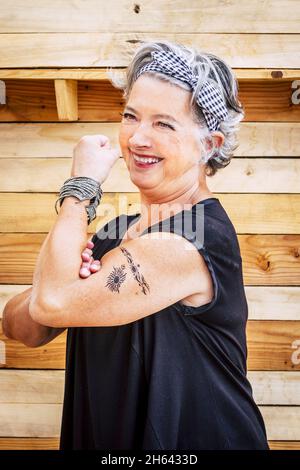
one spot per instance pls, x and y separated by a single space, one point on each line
215 140
218 138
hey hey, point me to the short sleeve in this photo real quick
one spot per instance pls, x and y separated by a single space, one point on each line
190 224
190 310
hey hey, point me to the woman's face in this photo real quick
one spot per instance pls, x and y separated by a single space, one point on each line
174 139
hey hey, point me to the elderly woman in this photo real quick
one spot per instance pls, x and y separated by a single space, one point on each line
156 348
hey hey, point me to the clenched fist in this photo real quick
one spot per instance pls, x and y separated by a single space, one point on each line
93 157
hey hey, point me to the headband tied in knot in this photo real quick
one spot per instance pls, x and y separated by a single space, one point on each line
209 97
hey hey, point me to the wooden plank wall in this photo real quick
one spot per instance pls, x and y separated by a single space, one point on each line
45 41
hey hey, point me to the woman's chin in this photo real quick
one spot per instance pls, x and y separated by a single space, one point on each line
140 181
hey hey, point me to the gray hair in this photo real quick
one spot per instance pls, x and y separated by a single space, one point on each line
207 67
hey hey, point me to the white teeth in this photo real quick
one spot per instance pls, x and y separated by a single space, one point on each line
145 159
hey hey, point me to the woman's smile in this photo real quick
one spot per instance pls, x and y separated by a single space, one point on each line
144 162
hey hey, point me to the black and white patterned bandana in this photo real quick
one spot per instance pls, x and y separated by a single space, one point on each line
209 98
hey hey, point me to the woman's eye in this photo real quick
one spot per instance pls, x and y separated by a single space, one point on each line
126 115
130 116
164 124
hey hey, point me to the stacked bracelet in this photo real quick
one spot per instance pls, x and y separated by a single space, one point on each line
82 188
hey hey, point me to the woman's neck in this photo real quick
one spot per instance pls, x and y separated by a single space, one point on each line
153 212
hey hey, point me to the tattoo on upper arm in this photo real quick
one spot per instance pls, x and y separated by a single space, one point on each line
118 276
134 269
115 279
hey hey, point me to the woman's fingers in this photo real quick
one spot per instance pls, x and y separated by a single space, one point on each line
95 266
84 272
86 254
90 244
89 267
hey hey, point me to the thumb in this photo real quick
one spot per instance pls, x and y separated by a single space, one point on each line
104 141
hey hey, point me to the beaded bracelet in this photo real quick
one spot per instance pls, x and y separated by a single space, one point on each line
83 188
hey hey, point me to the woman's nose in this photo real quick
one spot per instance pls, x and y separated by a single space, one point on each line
140 138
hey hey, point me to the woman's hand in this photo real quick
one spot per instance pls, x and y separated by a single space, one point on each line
89 265
93 157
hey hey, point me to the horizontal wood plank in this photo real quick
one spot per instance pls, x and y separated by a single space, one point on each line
264 302
85 16
14 355
99 100
270 259
40 420
30 420
267 259
272 345
52 443
264 210
102 74
273 302
284 445
115 49
274 388
47 386
249 213
32 386
282 422
27 443
242 175
56 140
35 213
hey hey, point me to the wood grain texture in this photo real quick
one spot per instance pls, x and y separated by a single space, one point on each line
57 140
49 356
282 422
30 420
284 445
92 73
52 443
35 212
27 443
259 190
273 302
66 99
32 386
275 388
272 345
47 386
267 259
264 302
85 16
249 213
35 100
40 420
242 175
116 49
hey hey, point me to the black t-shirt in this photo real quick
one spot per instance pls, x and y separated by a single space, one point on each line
175 379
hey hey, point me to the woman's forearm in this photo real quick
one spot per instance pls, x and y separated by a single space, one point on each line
59 259
17 323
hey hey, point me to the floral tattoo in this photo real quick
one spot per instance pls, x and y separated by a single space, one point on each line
136 274
116 278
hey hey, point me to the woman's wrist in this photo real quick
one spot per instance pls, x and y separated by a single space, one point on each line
71 200
84 189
